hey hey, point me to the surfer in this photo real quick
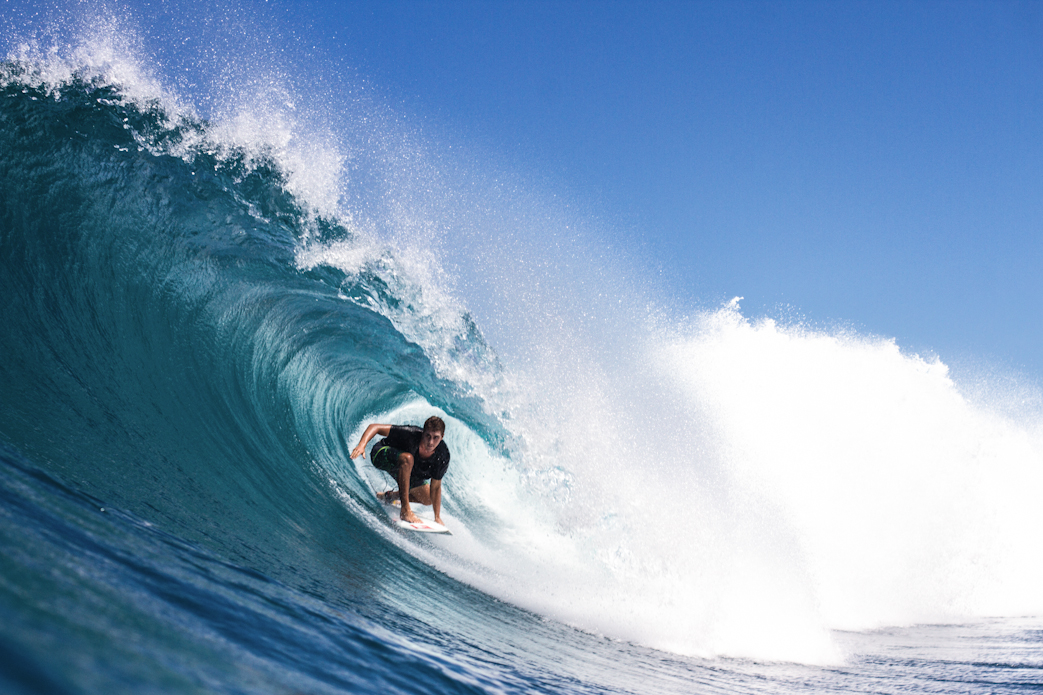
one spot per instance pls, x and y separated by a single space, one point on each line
412 455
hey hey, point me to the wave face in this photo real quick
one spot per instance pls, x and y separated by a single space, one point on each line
643 503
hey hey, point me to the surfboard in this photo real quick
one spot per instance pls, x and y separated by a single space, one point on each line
393 510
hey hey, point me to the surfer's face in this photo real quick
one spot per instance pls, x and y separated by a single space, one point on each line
429 441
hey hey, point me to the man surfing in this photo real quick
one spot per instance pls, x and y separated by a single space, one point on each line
412 456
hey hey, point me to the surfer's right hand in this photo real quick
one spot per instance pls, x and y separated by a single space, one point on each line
359 450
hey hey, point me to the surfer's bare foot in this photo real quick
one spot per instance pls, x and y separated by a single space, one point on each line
387 497
408 515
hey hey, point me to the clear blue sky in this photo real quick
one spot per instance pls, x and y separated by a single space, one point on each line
874 163
871 162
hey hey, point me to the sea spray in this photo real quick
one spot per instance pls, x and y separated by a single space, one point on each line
728 486
710 485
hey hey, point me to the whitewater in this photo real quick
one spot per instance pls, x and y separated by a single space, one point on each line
202 313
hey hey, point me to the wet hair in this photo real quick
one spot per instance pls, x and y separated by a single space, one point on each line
434 424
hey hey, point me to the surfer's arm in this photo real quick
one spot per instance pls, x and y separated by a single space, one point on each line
436 499
371 431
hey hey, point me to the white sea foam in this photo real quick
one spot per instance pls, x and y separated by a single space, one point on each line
782 484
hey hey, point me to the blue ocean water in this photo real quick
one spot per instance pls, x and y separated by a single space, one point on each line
193 338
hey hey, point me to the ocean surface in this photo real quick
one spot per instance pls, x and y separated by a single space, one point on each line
199 316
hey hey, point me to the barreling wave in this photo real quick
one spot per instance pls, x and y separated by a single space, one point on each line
187 338
163 348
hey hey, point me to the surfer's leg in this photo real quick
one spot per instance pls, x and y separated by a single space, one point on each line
421 494
405 467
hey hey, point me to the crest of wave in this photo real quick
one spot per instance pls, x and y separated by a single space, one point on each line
256 117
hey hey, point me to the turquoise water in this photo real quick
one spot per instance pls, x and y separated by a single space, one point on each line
193 340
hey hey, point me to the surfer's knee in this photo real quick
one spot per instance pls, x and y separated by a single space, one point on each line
405 461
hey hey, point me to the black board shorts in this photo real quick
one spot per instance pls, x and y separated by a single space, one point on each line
386 459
